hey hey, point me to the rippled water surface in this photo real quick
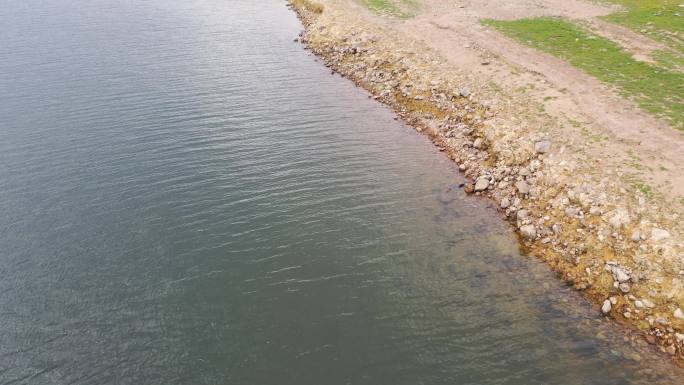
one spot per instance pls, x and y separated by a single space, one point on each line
188 197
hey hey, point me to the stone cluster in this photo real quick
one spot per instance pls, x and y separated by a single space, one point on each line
598 234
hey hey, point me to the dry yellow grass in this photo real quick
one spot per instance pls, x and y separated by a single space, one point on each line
308 5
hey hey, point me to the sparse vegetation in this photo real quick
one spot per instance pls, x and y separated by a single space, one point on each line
309 5
656 89
398 8
639 185
669 60
661 20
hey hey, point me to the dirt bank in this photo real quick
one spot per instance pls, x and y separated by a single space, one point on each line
565 160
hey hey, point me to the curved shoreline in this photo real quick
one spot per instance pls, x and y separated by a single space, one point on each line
600 236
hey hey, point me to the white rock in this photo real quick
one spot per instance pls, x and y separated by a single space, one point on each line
606 307
522 187
679 314
659 234
481 184
542 147
671 350
624 287
619 218
505 203
528 231
571 212
479 143
648 303
639 304
636 236
620 274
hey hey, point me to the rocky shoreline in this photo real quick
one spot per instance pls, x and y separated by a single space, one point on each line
602 236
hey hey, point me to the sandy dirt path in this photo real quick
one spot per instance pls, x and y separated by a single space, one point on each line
453 28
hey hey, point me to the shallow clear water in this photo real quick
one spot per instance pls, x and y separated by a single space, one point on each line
188 197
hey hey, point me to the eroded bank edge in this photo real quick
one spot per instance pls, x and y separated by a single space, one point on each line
552 222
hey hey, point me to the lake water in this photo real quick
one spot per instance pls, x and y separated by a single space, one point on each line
189 197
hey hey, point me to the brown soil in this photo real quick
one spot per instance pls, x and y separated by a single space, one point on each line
453 29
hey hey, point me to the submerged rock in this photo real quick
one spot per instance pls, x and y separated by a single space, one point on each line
671 350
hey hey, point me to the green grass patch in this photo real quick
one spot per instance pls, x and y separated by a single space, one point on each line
669 60
662 20
646 189
397 8
638 184
657 90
